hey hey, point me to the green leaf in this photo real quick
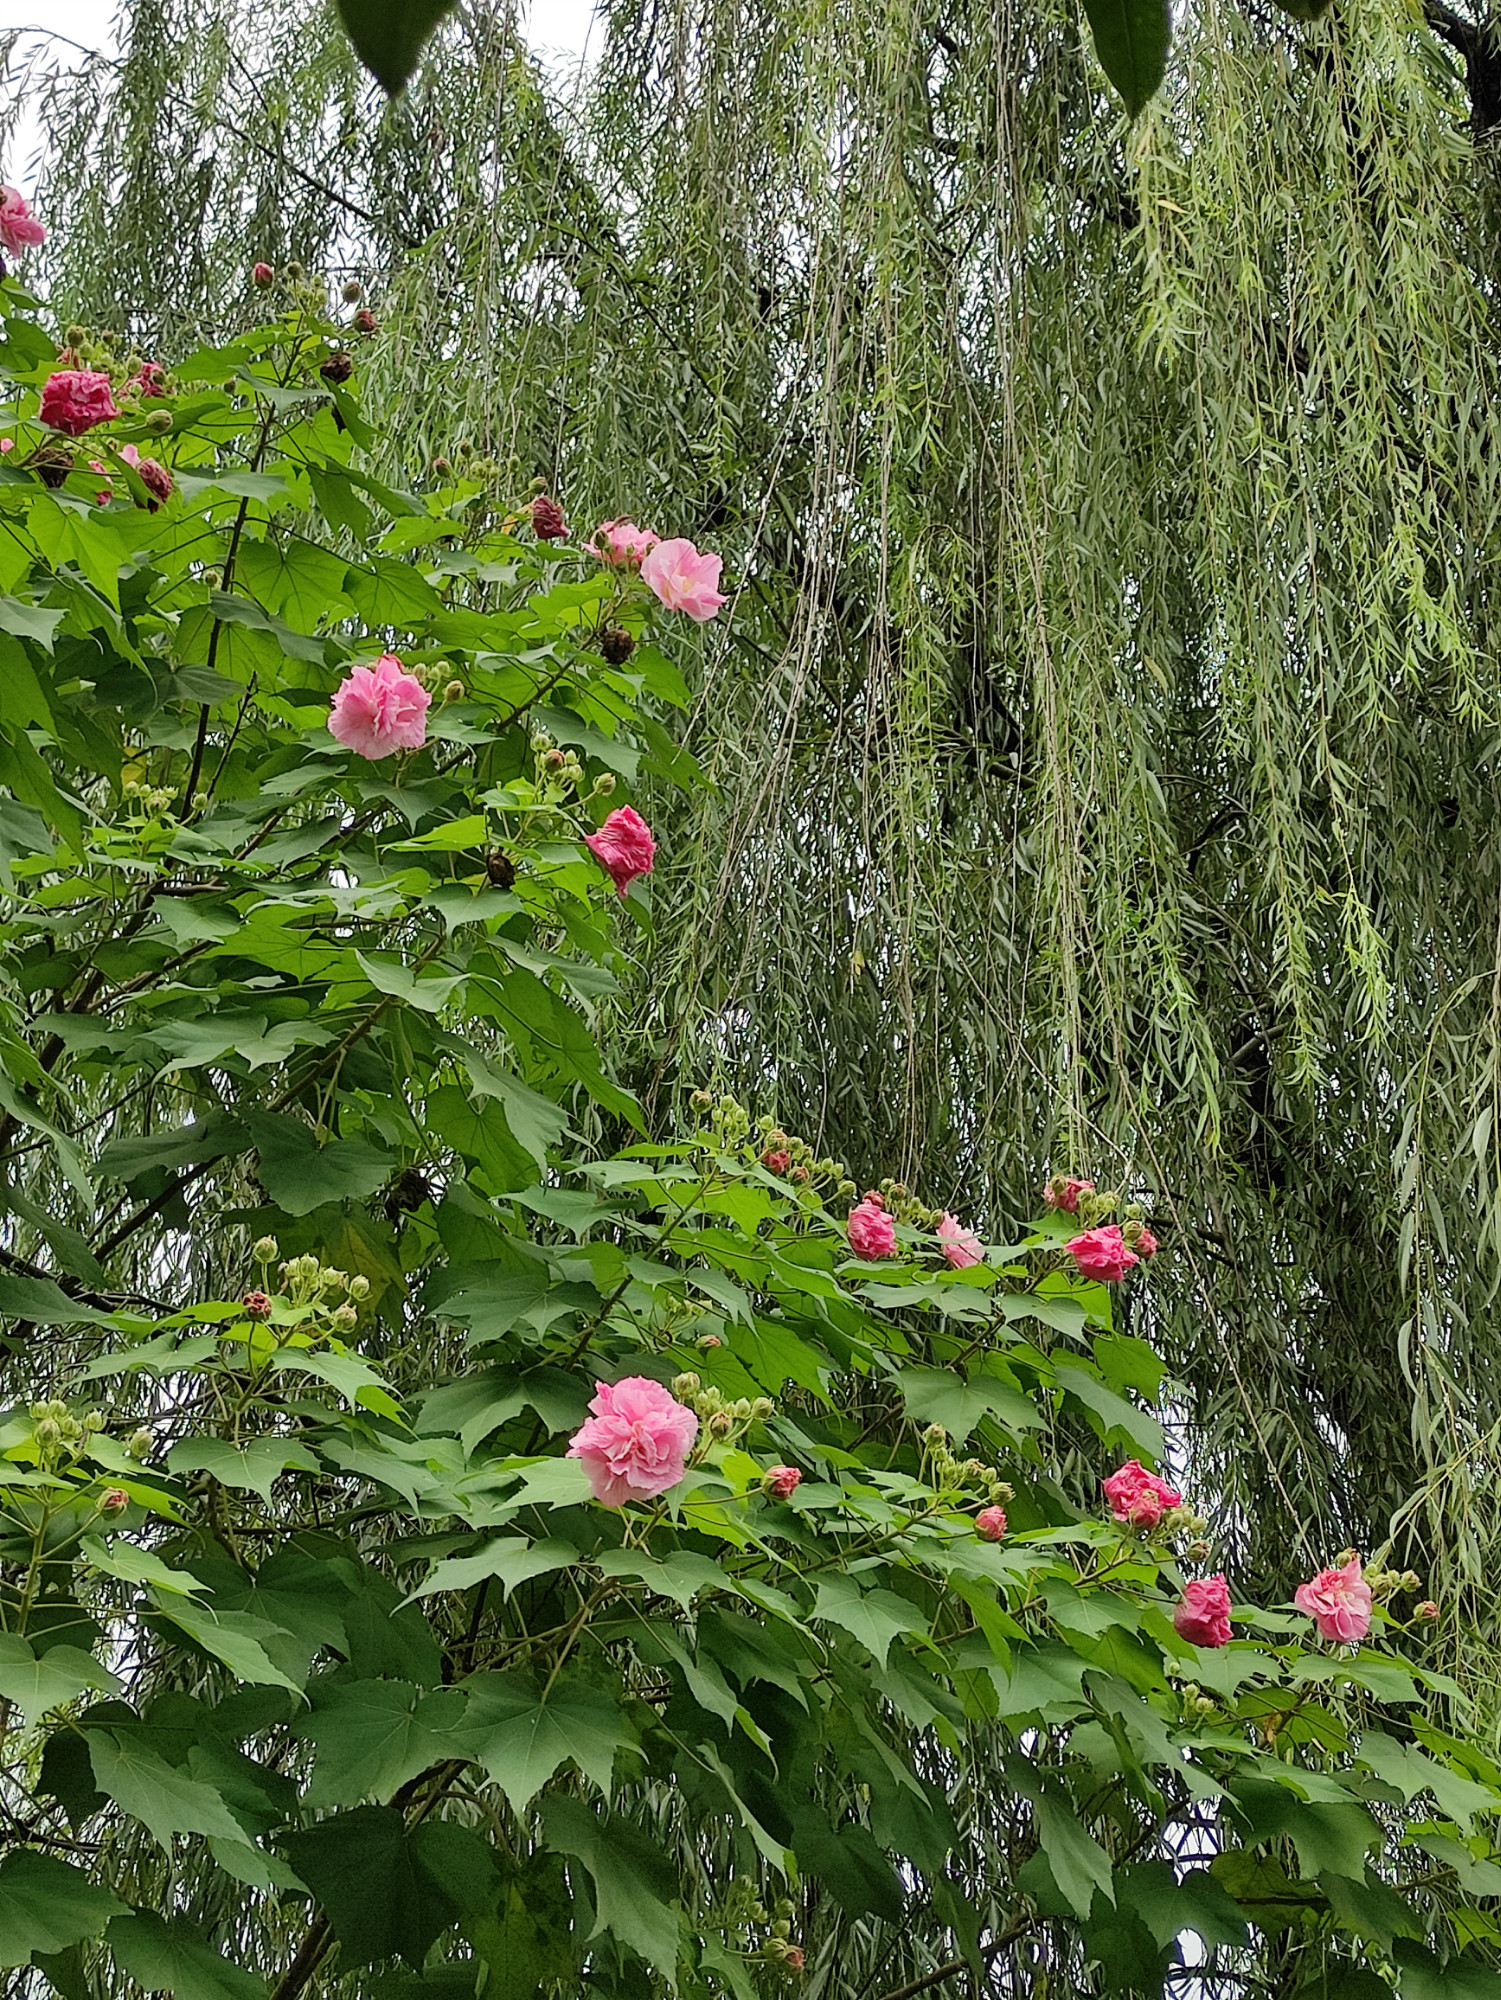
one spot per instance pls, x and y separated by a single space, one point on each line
252 1468
634 1883
365 1870
162 1798
29 621
874 1617
521 1739
35 1685
1130 39
300 1175
508 1561
231 1636
942 1396
374 1735
174 1957
1075 1859
47 1905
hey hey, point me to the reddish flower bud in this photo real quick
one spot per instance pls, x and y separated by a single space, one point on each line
262 275
777 1161
548 524
1427 1611
990 1523
114 1501
781 1482
366 321
257 1305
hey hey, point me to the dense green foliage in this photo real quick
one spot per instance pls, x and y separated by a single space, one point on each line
327 1210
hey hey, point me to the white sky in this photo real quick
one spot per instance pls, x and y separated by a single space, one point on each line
559 31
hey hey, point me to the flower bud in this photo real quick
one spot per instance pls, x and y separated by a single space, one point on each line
1427 1611
345 1318
257 1305
701 1100
49 1431
442 466
359 1288
708 1340
265 1250
935 1434
295 270
721 1424
114 1501
262 276
353 291
684 1386
139 1444
337 368
781 1482
453 691
604 784
990 1524
366 321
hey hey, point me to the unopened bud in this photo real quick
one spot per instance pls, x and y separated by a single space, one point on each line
265 1250
604 784
366 321
453 691
708 1340
344 1317
359 1288
353 291
684 1386
442 466
159 422
1427 1611
114 1501
262 276
721 1424
257 1305
139 1444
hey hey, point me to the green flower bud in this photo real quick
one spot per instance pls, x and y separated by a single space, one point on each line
265 1250
139 1444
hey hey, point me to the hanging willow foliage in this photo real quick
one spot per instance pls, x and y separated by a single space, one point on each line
1105 736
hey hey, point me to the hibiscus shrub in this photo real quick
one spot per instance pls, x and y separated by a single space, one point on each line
441 1555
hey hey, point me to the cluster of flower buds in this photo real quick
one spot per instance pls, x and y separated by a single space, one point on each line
1197 1704
130 374
558 770
144 803
60 1436
731 1130
724 1418
948 1473
1385 1583
307 1283
780 1949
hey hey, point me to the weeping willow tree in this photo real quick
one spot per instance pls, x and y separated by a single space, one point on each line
1105 736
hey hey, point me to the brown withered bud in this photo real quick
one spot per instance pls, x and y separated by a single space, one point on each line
336 369
51 463
501 869
406 1192
616 644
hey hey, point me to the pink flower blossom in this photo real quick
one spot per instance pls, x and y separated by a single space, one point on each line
1202 1615
19 228
380 709
1338 1601
960 1246
990 1523
777 1161
1100 1253
1063 1191
781 1482
636 1444
75 399
625 846
154 475
871 1231
622 542
1139 1497
683 579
